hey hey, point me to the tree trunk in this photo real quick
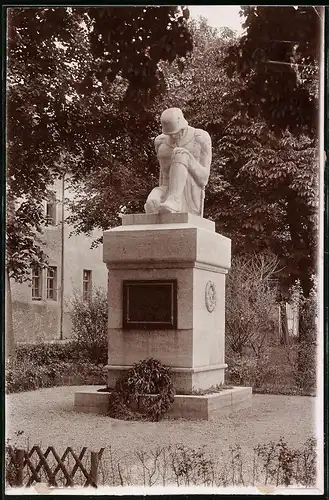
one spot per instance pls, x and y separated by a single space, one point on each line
9 329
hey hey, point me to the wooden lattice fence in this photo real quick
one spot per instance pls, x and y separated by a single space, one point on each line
27 467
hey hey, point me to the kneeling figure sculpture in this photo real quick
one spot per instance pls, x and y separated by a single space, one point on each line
184 155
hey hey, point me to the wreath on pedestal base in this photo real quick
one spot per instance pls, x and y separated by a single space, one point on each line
144 392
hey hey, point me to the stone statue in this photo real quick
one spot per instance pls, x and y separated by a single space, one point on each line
184 155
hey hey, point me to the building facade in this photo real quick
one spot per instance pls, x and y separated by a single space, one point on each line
41 307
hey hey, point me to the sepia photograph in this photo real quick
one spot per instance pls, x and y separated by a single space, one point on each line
164 241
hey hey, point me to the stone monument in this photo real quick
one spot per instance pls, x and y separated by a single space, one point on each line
166 280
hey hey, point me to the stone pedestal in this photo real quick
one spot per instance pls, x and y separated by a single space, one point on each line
195 407
186 249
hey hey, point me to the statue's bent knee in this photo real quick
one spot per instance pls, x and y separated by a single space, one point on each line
154 199
151 206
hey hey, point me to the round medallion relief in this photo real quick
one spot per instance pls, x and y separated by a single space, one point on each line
210 296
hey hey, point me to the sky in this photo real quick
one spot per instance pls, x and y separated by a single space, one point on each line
219 16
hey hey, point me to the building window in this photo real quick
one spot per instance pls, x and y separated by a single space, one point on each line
36 283
52 283
87 284
51 209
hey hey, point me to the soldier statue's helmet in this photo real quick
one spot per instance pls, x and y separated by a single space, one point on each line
172 121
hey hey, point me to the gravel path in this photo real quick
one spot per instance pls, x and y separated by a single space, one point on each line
47 418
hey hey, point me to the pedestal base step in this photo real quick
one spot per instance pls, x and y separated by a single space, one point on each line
194 407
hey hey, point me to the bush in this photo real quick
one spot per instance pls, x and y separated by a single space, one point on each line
271 373
251 370
29 375
146 377
48 353
282 465
302 359
75 362
89 325
241 370
251 303
192 466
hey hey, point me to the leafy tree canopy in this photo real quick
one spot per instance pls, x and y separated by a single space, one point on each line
263 188
71 73
278 57
132 40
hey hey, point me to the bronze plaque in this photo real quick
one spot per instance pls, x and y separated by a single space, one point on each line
150 304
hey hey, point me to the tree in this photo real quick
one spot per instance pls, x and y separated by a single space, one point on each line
263 188
38 81
269 197
279 58
38 85
132 41
61 71
264 185
62 63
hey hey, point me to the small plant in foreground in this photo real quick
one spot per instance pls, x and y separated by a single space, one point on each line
282 465
273 463
148 377
192 466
